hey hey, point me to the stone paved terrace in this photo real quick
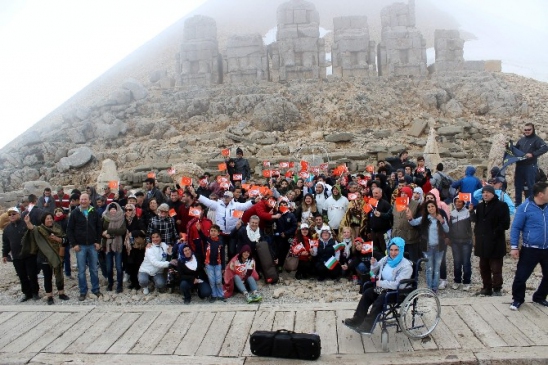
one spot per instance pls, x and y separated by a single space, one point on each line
472 331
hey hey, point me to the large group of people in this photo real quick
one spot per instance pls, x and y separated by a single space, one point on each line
209 238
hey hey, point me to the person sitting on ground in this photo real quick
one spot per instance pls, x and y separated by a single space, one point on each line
191 273
359 261
302 248
241 271
390 271
326 258
157 258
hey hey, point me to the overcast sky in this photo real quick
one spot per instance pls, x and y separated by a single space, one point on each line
52 49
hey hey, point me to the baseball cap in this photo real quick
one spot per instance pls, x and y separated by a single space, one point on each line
132 196
14 209
228 194
304 225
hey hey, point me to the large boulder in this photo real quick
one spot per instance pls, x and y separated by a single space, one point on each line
138 91
77 158
339 137
275 114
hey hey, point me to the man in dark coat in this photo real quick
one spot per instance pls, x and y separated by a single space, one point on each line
492 218
242 165
533 146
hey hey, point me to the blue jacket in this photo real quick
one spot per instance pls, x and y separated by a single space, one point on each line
503 196
469 183
532 223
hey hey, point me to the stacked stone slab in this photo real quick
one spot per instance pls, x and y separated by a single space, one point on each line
352 53
198 60
402 51
299 52
449 48
245 59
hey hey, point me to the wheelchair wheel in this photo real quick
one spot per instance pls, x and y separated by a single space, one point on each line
419 313
384 340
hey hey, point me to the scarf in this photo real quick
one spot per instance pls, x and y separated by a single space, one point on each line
338 189
59 219
254 236
393 262
114 244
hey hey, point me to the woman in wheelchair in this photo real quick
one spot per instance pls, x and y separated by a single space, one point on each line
390 270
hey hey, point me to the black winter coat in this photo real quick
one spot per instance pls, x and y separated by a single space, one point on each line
492 220
82 230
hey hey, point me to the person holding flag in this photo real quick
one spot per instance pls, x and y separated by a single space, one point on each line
326 256
359 261
390 271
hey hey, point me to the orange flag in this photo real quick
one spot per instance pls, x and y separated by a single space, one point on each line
367 208
237 177
246 186
304 175
291 164
367 247
401 203
465 197
172 212
238 213
370 169
226 152
283 209
151 175
267 173
284 165
113 185
186 181
373 202
304 165
195 212
222 166
352 196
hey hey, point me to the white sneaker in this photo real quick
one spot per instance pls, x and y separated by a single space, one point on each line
455 286
443 284
126 278
145 291
466 287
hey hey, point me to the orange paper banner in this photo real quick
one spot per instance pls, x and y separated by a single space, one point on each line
186 181
238 213
151 175
246 186
401 203
267 173
283 209
367 247
373 202
370 168
226 152
172 212
221 166
113 185
367 208
284 165
195 212
304 175
352 196
324 166
237 177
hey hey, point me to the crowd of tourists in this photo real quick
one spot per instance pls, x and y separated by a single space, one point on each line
224 233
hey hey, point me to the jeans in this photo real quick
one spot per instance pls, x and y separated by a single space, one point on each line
462 251
215 280
361 268
66 260
433 265
159 280
524 173
87 256
528 260
204 290
27 271
111 258
238 282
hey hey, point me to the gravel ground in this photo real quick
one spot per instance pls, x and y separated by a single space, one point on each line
288 290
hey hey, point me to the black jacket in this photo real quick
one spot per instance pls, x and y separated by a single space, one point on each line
531 144
12 237
82 230
492 220
384 222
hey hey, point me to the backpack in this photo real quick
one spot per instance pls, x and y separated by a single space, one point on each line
445 187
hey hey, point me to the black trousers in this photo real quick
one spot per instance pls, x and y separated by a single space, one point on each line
27 271
49 272
370 299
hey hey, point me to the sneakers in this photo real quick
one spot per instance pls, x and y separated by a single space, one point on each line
515 305
82 297
63 297
442 285
541 302
145 291
50 300
466 287
256 297
248 298
455 286
126 278
497 293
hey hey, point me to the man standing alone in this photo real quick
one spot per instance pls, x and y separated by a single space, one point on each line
84 233
531 223
526 170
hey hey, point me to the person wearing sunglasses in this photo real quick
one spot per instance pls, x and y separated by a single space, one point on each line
532 146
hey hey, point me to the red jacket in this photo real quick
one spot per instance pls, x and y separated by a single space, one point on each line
62 201
262 210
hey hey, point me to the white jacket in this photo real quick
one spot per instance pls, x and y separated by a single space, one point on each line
336 210
223 213
155 259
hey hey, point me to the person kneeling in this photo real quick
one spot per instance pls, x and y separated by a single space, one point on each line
191 273
390 270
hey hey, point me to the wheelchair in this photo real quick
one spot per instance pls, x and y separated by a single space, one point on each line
413 311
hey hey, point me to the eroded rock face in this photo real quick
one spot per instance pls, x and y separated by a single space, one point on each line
275 114
76 158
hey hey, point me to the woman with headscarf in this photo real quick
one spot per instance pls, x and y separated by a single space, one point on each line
191 273
135 244
418 195
390 270
114 230
239 272
48 240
